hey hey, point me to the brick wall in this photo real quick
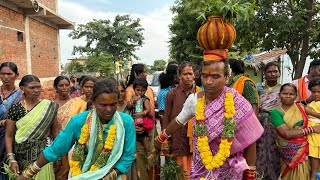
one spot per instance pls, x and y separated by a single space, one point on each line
10 48
44 49
51 4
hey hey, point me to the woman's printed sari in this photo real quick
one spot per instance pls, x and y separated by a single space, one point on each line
268 165
294 152
65 112
138 169
30 137
69 109
15 97
5 104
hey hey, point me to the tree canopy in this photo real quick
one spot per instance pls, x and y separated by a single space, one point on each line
290 24
108 42
159 65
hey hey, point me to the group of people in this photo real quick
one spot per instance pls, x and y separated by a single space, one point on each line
223 126
86 132
276 126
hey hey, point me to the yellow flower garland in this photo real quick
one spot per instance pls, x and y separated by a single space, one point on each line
84 136
211 162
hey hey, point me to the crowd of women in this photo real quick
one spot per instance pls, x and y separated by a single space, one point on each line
97 129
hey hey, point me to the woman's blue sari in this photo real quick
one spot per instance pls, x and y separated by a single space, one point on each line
5 105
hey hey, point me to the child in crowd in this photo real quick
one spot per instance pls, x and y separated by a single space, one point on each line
140 104
313 111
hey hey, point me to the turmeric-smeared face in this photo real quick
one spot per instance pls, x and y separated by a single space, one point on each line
106 105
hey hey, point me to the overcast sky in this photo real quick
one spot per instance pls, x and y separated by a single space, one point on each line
155 17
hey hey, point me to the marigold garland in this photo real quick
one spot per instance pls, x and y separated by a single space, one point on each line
211 162
78 157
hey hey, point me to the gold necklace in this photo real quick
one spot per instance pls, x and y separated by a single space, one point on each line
270 88
4 100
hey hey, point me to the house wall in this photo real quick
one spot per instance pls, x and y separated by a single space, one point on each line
10 48
38 52
256 77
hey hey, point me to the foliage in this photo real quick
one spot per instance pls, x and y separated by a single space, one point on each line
102 64
159 65
228 9
7 170
171 169
75 67
107 42
291 24
183 41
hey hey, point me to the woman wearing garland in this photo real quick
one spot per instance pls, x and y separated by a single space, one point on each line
104 139
225 127
68 107
291 122
269 160
31 124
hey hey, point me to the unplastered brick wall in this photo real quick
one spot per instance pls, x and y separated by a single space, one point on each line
44 49
10 48
48 92
51 4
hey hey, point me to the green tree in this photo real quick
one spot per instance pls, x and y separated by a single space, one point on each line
102 64
159 65
183 41
75 67
290 24
109 41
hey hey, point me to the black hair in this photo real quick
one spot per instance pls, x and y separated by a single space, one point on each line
185 64
80 80
28 79
10 65
136 70
237 66
198 76
168 79
86 79
140 82
290 85
314 64
314 82
122 85
225 62
172 63
58 79
104 86
269 64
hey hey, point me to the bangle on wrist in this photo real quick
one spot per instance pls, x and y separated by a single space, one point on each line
179 123
165 134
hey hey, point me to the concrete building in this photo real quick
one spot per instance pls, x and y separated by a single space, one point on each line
29 36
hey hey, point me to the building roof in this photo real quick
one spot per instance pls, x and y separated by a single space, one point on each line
257 62
81 58
44 13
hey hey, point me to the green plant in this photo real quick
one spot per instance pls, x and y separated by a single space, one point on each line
229 9
8 171
171 169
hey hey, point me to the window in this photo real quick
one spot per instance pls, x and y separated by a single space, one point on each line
20 36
